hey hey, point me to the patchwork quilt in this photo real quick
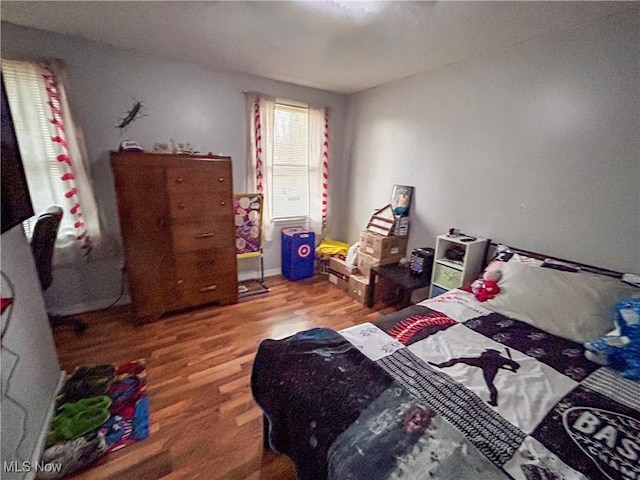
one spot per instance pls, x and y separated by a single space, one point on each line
446 389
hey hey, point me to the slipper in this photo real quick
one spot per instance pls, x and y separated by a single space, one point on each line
72 408
67 426
87 382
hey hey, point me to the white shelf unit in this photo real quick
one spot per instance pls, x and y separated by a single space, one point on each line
449 274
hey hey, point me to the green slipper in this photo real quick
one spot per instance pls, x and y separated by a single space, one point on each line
72 408
67 427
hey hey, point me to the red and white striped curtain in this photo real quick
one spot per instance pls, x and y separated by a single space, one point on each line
260 110
318 168
53 155
63 156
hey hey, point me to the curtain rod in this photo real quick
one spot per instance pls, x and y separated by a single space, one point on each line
286 101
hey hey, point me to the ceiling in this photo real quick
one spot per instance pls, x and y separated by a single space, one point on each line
338 46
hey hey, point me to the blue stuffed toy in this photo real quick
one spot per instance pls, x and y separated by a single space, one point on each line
620 349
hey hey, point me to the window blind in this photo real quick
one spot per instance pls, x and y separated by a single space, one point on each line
28 100
290 169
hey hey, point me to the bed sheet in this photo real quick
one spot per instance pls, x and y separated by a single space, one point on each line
446 389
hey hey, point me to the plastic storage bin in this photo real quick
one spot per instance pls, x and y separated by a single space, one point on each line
298 253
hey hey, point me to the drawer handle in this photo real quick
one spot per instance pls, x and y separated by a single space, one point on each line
210 288
204 235
179 282
221 179
222 203
179 180
181 205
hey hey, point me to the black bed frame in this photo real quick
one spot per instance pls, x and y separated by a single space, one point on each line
491 246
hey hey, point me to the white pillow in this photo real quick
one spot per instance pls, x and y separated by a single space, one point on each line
576 306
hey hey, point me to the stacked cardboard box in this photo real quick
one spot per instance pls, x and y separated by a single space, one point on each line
347 278
339 273
401 226
375 250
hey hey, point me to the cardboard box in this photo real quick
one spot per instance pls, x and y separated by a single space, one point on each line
359 288
366 262
386 249
401 226
340 266
338 281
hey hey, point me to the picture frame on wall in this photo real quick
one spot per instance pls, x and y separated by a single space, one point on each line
401 200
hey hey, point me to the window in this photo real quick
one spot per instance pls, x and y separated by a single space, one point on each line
290 167
52 154
288 161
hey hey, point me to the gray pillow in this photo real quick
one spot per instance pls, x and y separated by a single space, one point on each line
576 306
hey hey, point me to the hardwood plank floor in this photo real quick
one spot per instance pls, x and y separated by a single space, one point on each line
204 423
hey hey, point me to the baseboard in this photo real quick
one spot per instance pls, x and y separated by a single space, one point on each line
89 306
126 299
39 446
251 275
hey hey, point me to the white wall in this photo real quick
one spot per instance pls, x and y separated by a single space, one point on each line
536 146
30 369
181 101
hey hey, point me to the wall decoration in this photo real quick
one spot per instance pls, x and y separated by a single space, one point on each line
133 114
248 221
401 199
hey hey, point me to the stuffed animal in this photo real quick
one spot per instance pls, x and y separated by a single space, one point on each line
620 349
486 287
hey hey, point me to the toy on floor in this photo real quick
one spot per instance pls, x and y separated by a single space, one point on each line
620 349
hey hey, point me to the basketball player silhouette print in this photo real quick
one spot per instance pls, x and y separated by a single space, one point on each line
490 361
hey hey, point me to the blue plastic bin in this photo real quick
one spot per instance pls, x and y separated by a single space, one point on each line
298 253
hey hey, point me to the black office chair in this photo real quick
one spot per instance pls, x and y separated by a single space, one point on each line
43 243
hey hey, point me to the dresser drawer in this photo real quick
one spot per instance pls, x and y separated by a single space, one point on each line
189 237
206 263
214 288
212 177
447 277
200 207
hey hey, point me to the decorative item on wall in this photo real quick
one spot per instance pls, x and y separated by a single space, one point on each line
175 148
401 199
133 114
130 146
248 222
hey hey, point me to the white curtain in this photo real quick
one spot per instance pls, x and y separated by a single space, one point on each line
54 156
260 112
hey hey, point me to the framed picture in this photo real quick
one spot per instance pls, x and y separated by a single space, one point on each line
401 200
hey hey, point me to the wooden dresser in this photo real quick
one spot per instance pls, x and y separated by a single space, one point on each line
177 225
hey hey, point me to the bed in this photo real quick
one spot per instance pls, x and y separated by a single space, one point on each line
456 388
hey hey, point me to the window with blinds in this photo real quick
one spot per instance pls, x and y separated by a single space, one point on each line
290 169
28 100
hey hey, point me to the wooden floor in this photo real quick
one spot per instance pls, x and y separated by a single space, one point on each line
204 423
